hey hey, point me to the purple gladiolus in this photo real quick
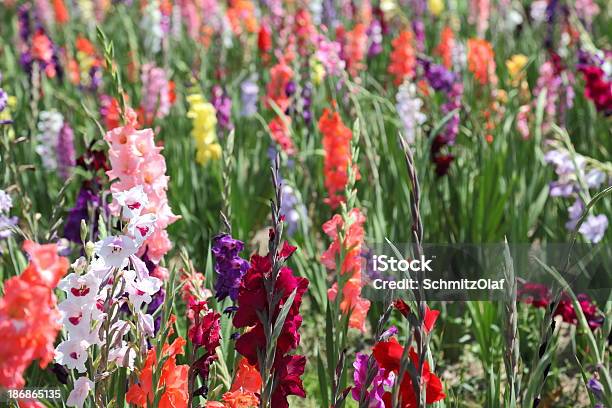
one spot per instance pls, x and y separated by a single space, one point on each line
440 78
223 106
381 379
80 211
229 266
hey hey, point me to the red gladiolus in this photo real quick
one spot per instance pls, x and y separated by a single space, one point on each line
430 315
566 310
252 301
538 295
264 39
388 355
206 331
535 294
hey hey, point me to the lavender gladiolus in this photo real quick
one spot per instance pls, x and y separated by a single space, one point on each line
65 151
248 95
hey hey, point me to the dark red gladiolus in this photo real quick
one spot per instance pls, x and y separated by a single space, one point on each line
252 295
538 295
597 88
288 371
589 309
206 331
440 160
535 294
287 250
252 298
252 302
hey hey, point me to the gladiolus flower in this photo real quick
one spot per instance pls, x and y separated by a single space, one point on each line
205 331
136 161
436 7
337 146
515 65
351 246
481 61
61 12
280 75
279 130
403 58
247 377
241 15
264 39
288 371
240 399
29 319
430 315
229 266
172 378
252 297
355 49
388 355
446 47
204 121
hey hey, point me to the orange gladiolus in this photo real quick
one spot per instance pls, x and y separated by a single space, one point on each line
247 377
337 146
280 75
241 13
481 60
445 48
61 12
403 57
240 399
173 379
355 49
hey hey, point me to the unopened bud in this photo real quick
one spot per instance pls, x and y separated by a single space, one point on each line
83 231
89 249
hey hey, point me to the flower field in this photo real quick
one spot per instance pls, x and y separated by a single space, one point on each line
323 203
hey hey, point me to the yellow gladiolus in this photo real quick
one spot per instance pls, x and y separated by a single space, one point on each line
515 65
204 121
436 7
